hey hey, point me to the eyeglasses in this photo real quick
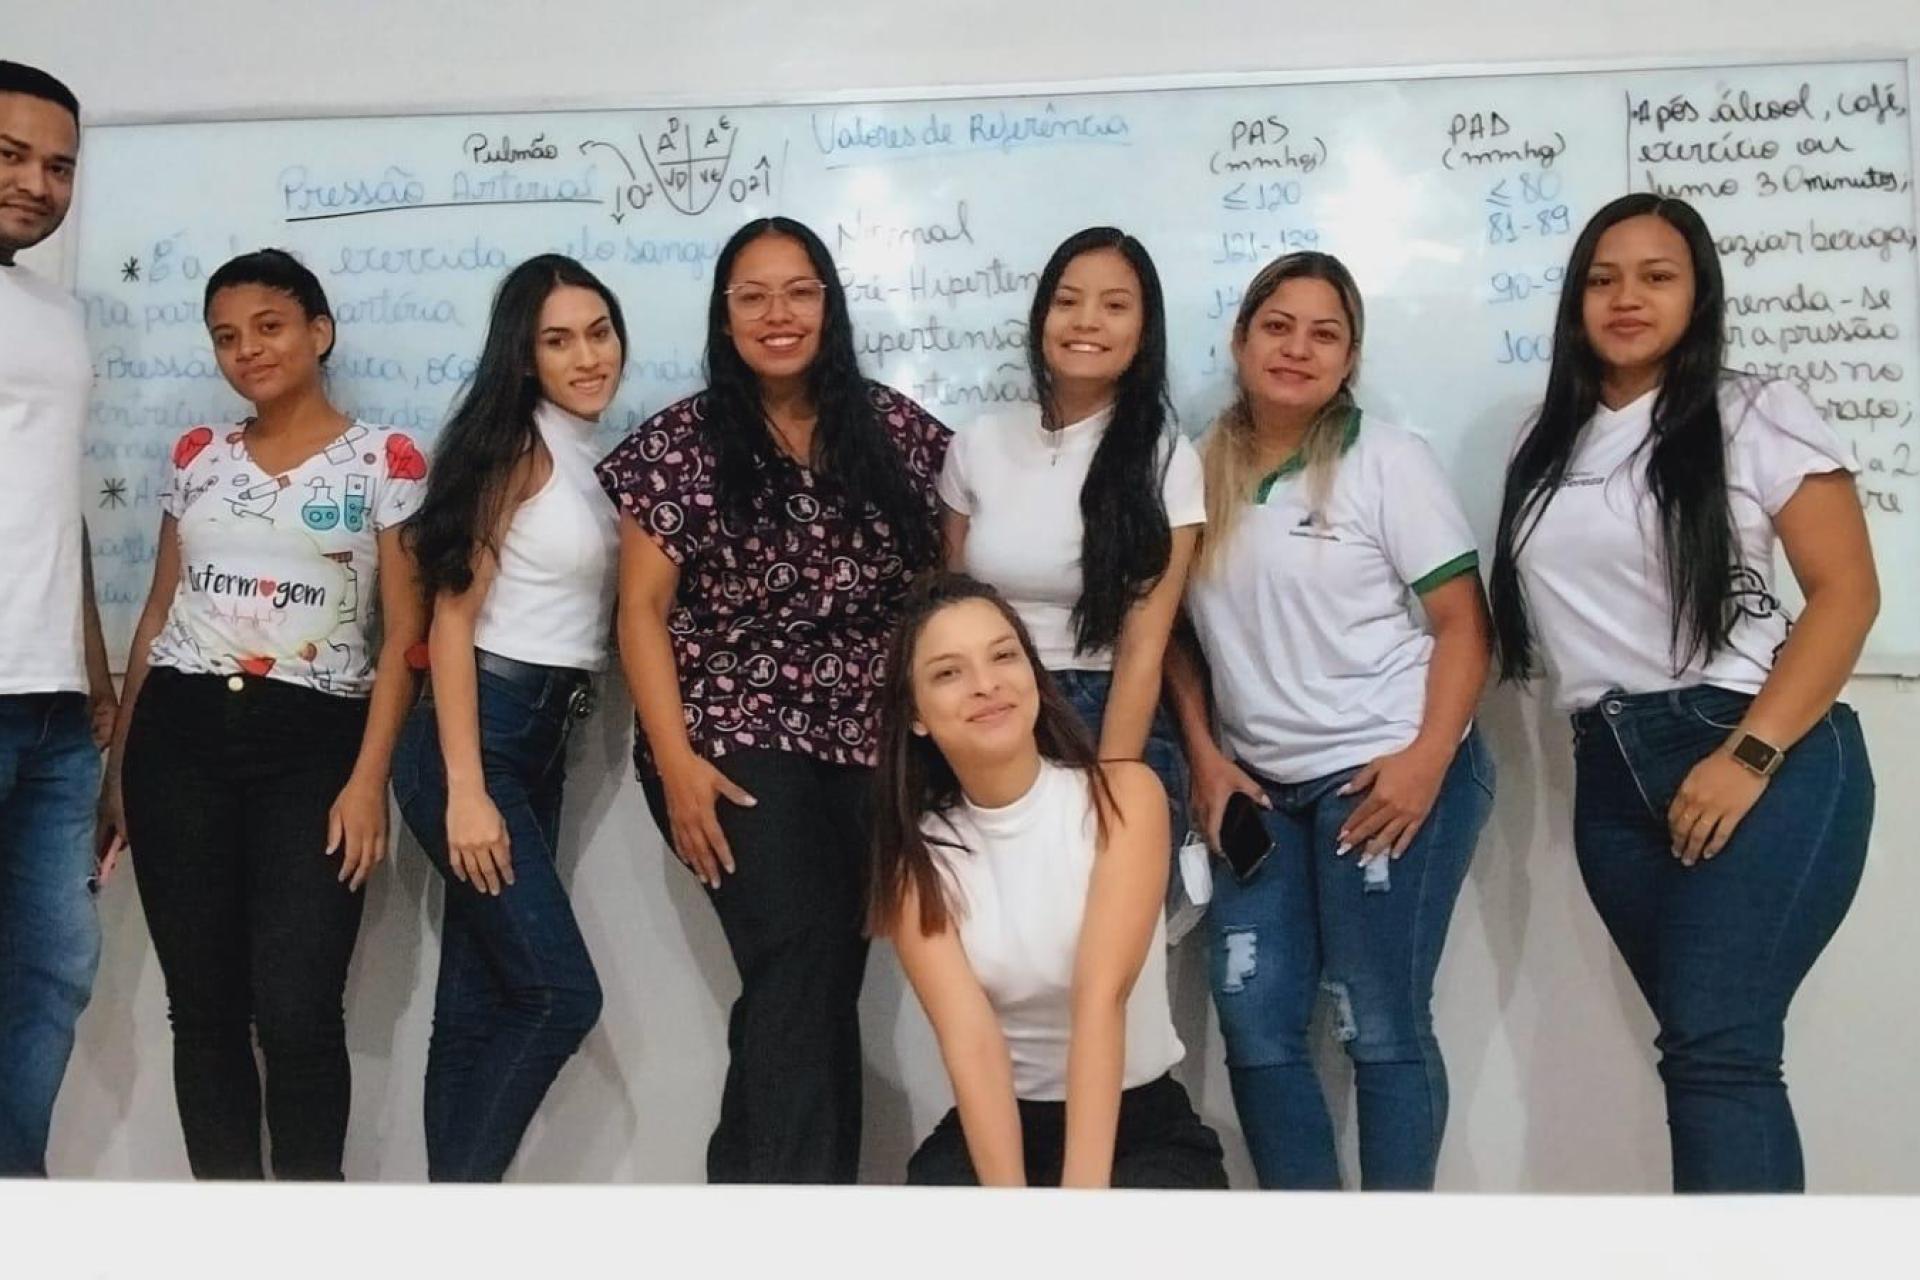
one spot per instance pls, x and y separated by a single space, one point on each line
752 301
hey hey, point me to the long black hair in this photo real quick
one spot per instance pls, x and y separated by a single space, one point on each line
913 779
1126 540
1686 450
492 426
851 449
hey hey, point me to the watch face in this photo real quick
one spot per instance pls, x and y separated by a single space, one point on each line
1755 754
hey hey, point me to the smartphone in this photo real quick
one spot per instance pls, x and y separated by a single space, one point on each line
1243 836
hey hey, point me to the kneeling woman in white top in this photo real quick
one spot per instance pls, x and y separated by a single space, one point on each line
1021 881
1347 720
516 548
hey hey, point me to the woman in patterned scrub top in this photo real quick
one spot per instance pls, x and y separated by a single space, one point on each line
775 521
259 722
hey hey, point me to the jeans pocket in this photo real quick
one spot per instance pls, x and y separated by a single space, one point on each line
1480 762
1720 709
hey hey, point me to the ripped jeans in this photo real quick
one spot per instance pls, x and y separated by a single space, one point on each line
1309 920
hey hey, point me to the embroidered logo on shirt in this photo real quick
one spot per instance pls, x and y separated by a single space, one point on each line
1313 525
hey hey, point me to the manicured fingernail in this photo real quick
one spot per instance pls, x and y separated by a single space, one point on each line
1341 851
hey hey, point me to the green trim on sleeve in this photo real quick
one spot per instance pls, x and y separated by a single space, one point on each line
1465 563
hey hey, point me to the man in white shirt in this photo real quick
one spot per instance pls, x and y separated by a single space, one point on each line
56 696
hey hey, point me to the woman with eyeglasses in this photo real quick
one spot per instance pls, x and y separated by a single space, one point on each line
775 521
516 550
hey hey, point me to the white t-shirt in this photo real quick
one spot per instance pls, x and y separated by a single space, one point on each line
45 378
1020 884
1319 663
279 575
551 601
1019 486
1593 570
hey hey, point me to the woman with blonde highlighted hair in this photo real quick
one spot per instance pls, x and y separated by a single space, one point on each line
1346 718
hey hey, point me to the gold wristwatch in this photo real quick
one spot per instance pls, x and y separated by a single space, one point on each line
1756 755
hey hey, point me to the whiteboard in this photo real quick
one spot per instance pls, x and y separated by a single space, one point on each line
1455 199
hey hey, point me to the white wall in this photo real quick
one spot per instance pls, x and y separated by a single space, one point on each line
1548 1045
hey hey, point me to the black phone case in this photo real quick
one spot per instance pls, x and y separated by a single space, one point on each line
1243 837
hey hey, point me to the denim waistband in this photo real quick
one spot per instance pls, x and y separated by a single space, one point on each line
569 687
1616 702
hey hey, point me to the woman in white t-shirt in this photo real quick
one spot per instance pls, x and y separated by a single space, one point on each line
516 546
1347 718
258 724
1020 879
1083 507
1723 797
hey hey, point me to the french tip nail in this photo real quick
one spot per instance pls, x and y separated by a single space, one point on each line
1341 851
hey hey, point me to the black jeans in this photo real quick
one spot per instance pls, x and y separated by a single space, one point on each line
792 911
227 791
1160 1142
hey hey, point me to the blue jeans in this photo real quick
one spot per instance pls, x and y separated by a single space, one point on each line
49 933
1307 920
517 990
1718 949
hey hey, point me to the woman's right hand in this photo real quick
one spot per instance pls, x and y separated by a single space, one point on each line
478 848
693 789
110 828
1214 779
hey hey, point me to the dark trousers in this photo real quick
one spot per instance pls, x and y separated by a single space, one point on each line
227 791
1160 1142
792 912
517 991
1719 948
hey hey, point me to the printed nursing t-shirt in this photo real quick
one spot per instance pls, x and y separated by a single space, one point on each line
278 573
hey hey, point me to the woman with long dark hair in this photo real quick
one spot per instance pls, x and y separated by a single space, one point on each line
1348 718
258 725
775 520
1020 878
1723 796
516 548
1083 508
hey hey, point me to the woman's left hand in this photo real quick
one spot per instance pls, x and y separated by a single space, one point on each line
1711 802
1401 790
357 830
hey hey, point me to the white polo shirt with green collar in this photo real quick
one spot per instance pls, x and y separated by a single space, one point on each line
1307 618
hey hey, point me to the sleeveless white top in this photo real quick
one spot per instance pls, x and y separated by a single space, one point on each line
1019 886
552 600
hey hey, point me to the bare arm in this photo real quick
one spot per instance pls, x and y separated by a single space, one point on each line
648 583
478 846
1137 656
357 823
953 537
1215 777
104 709
153 615
1825 537
1403 786
971 1045
1124 900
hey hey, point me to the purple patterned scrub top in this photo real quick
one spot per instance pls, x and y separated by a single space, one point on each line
780 625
